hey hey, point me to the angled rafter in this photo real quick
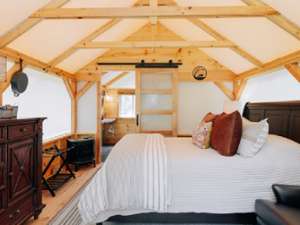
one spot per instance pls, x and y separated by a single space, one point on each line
218 36
290 58
238 88
10 73
15 55
85 88
162 11
115 79
27 24
294 70
278 19
156 44
71 90
224 89
88 38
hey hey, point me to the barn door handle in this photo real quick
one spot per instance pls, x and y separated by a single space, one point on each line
137 120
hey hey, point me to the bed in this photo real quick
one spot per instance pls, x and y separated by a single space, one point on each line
197 186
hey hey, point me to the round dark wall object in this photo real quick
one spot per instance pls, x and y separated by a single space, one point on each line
199 73
19 83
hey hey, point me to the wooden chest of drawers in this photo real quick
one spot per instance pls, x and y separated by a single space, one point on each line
20 170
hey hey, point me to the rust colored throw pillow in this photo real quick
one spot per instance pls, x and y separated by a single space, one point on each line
226 133
209 117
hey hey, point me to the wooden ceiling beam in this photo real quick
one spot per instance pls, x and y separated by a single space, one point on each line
161 11
4 85
290 58
238 88
156 44
294 70
278 19
88 38
224 89
16 56
203 26
85 88
115 79
27 24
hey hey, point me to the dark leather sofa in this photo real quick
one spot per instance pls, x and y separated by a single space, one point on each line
286 209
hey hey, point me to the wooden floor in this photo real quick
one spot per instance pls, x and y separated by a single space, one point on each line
63 195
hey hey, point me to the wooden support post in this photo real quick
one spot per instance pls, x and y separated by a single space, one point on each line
98 137
71 86
225 90
175 102
238 88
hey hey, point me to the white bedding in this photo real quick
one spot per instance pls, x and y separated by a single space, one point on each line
198 180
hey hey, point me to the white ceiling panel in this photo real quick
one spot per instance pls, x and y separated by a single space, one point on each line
209 2
79 59
98 3
229 59
122 30
49 38
289 8
13 12
258 36
186 30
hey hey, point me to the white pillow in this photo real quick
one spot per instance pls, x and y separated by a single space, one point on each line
254 136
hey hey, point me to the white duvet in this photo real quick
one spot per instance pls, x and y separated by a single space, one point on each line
197 180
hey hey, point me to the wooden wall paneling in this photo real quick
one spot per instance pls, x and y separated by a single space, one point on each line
98 137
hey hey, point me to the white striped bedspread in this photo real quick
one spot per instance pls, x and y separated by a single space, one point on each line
200 181
132 178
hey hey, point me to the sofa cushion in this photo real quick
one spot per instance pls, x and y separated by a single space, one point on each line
276 214
288 195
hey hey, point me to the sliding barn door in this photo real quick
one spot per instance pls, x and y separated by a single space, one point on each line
156 101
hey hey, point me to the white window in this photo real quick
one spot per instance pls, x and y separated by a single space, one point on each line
127 106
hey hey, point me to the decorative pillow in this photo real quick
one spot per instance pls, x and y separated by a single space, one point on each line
209 117
226 133
255 135
201 135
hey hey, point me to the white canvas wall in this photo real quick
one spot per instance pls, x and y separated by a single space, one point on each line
46 96
274 86
194 101
87 112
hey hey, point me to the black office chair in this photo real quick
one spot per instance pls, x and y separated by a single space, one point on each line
286 209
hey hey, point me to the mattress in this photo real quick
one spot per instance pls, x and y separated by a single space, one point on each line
201 181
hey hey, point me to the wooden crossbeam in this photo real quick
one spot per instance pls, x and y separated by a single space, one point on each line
85 88
4 85
156 44
278 19
224 89
16 56
290 58
203 26
115 79
161 11
27 24
88 38
238 88
294 70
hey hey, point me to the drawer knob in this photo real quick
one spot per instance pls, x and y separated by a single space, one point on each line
10 216
23 129
18 211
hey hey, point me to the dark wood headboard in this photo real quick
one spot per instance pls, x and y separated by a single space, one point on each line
283 117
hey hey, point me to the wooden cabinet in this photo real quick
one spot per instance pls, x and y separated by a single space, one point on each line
20 170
